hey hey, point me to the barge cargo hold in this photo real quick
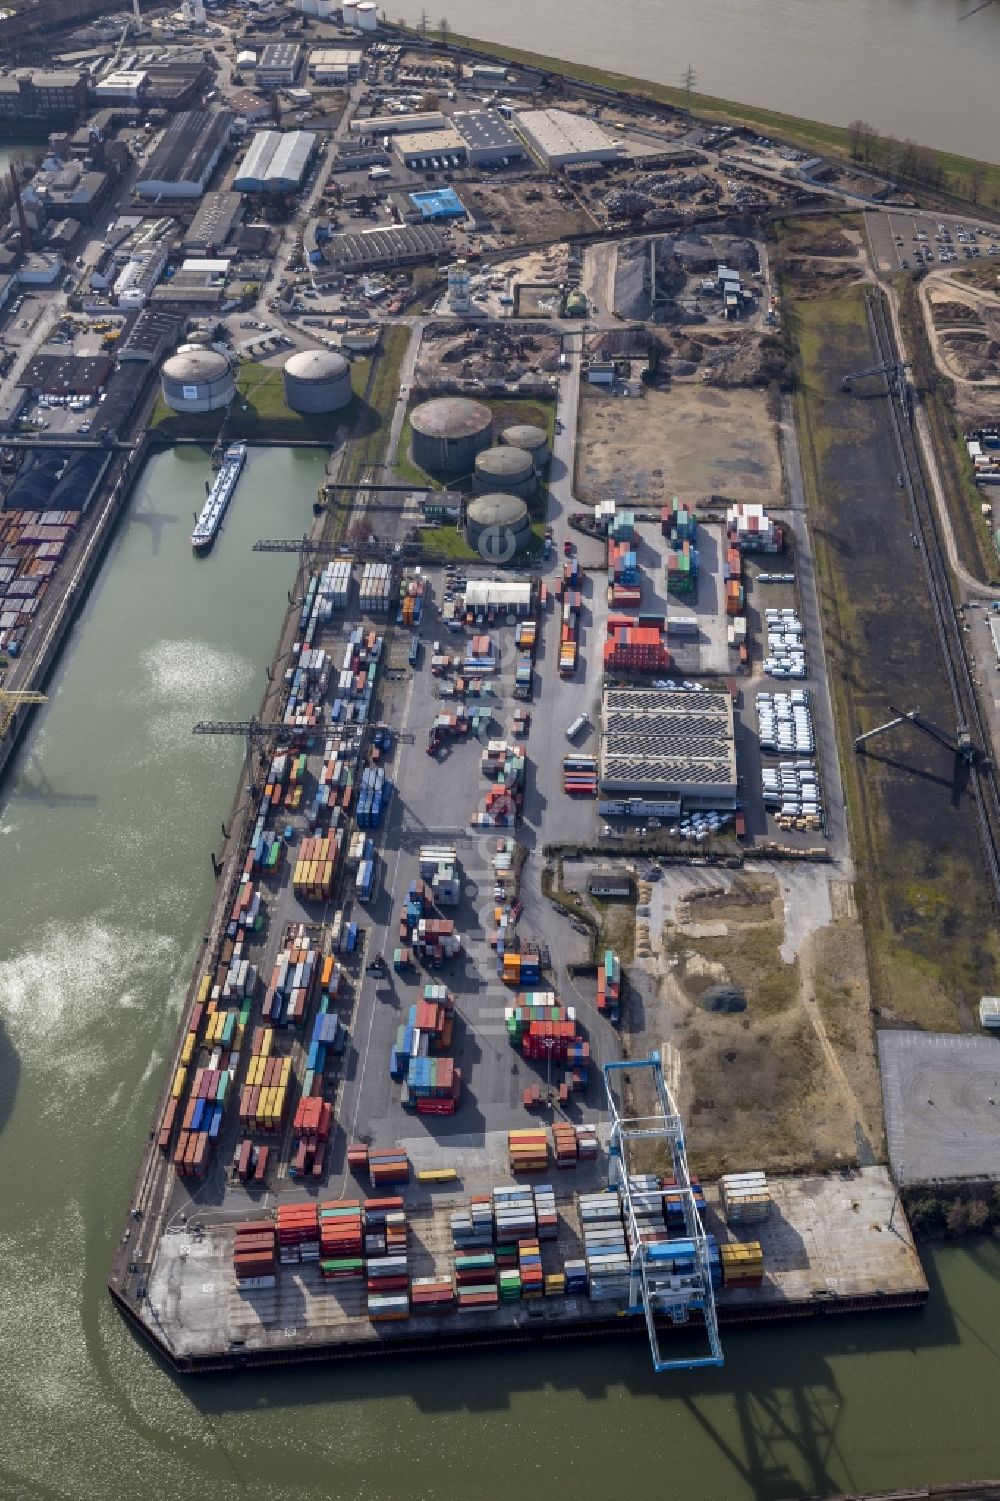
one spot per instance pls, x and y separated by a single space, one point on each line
221 493
827 1250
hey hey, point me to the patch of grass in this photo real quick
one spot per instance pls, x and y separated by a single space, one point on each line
449 540
969 179
369 449
260 411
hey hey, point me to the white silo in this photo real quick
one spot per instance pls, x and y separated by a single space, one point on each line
350 14
367 15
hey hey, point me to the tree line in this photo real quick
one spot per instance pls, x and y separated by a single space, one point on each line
905 159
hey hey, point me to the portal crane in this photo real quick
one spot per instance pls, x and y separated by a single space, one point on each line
657 1286
13 699
894 369
960 742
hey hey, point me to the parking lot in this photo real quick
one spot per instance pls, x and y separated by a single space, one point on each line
904 239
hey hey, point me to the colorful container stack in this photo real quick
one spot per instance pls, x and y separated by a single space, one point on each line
528 1150
311 1133
376 588
357 1158
32 544
255 1256
742 1264
340 1240
431 1294
570 629
513 1214
373 795
735 598
546 1217
609 987
388 1165
518 966
634 648
411 600
605 1248
564 1144
678 522
623 563
673 1203
265 1094
682 568
587 1145
751 529
334 588
472 1228
312 875
298 1233
499 811
746 1198
432 1086
297 967
529 1269
251 1162
476 1280
580 776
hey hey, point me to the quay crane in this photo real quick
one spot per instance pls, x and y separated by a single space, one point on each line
960 742
655 1286
12 699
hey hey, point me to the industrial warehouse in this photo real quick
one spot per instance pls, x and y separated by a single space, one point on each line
509 675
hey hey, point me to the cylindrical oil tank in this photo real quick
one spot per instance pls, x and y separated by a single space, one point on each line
199 380
497 526
508 469
317 380
350 10
448 432
533 440
368 15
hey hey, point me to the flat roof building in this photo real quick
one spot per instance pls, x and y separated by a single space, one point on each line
380 249
335 64
421 147
488 138
441 203
188 154
279 65
217 217
668 744
560 137
394 125
150 336
275 161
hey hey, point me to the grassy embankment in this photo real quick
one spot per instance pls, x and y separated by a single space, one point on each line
507 412
930 938
813 135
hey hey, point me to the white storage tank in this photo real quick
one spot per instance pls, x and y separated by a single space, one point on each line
508 469
350 13
367 15
317 380
197 380
533 440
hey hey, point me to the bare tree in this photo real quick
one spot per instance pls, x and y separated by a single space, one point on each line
688 80
861 140
975 181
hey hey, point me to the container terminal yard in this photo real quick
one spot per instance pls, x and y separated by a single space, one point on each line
534 1000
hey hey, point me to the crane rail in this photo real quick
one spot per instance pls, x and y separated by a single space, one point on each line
982 778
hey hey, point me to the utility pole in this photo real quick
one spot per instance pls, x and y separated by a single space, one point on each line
689 78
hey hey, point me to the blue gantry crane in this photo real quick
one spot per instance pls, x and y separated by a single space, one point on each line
673 1278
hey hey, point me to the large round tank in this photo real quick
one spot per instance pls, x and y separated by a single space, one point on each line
350 10
448 432
367 16
533 440
317 380
497 526
197 380
508 469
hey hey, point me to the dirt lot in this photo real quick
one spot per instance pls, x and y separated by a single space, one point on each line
508 209
692 440
758 997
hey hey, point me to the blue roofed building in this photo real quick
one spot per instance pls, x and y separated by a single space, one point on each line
438 203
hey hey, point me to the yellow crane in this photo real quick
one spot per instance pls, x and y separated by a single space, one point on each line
13 699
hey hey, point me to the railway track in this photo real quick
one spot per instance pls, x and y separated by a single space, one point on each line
982 778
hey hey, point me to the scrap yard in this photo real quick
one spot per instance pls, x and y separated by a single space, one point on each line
621 801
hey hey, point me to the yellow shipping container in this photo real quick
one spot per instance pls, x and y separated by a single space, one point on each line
204 989
180 1078
286 1070
187 1051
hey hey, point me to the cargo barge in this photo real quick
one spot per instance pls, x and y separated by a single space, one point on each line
221 493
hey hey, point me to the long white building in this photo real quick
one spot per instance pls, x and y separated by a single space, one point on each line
275 161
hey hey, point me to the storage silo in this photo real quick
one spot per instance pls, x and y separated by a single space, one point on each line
317 380
350 14
197 380
448 432
497 526
533 440
509 469
367 15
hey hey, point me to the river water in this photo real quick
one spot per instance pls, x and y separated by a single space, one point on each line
909 67
105 884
